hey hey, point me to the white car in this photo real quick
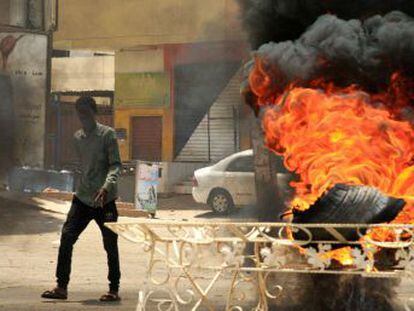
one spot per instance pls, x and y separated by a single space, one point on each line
231 182
227 184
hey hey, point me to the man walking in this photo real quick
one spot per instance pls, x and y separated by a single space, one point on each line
97 148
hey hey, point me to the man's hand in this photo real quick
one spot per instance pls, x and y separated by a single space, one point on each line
100 197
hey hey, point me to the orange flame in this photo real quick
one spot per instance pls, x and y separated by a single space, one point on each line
329 135
340 138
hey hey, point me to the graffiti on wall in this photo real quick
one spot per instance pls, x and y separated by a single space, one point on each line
24 59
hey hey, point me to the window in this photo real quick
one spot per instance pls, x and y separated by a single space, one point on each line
242 164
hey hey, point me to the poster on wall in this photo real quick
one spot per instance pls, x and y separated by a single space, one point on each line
147 181
24 60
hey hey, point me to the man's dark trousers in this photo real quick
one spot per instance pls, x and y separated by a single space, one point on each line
77 220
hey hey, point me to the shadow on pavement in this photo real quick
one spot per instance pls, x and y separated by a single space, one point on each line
87 302
95 302
20 218
179 202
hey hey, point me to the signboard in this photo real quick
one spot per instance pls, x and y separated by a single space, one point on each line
151 88
147 181
24 59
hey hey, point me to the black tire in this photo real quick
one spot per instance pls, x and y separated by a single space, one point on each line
349 204
221 202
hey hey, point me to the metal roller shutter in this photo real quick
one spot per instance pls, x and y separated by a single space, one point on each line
217 135
196 149
147 138
223 121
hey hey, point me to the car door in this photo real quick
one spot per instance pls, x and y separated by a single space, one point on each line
240 180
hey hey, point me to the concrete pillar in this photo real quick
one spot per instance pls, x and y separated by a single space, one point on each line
50 14
18 13
35 14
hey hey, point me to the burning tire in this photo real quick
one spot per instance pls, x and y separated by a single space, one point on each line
349 204
221 202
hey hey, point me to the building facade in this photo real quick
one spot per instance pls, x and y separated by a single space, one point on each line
177 68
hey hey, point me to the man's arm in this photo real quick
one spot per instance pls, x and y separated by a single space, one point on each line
115 166
114 161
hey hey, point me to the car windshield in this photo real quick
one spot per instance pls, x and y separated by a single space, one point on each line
241 164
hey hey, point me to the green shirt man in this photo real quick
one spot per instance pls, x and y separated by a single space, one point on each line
97 148
100 163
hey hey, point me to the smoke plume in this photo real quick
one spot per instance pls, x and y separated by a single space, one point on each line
366 52
282 20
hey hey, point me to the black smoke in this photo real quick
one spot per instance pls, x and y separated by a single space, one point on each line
280 20
365 52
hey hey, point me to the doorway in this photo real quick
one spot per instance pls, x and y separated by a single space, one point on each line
147 138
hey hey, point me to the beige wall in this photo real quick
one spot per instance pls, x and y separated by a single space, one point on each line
149 60
136 94
83 74
113 25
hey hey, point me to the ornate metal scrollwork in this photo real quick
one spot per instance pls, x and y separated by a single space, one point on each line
182 254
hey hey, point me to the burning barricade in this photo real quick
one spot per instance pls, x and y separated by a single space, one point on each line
333 86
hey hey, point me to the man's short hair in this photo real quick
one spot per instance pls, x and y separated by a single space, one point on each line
87 101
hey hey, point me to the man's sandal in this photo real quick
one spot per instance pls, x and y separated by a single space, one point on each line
56 293
110 297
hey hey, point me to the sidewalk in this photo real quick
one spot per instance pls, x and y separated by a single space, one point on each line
176 206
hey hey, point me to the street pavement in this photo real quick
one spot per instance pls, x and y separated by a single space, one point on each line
29 239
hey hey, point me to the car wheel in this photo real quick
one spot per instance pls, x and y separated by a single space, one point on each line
221 202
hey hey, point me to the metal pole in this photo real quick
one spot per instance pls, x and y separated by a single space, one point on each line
235 129
58 136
